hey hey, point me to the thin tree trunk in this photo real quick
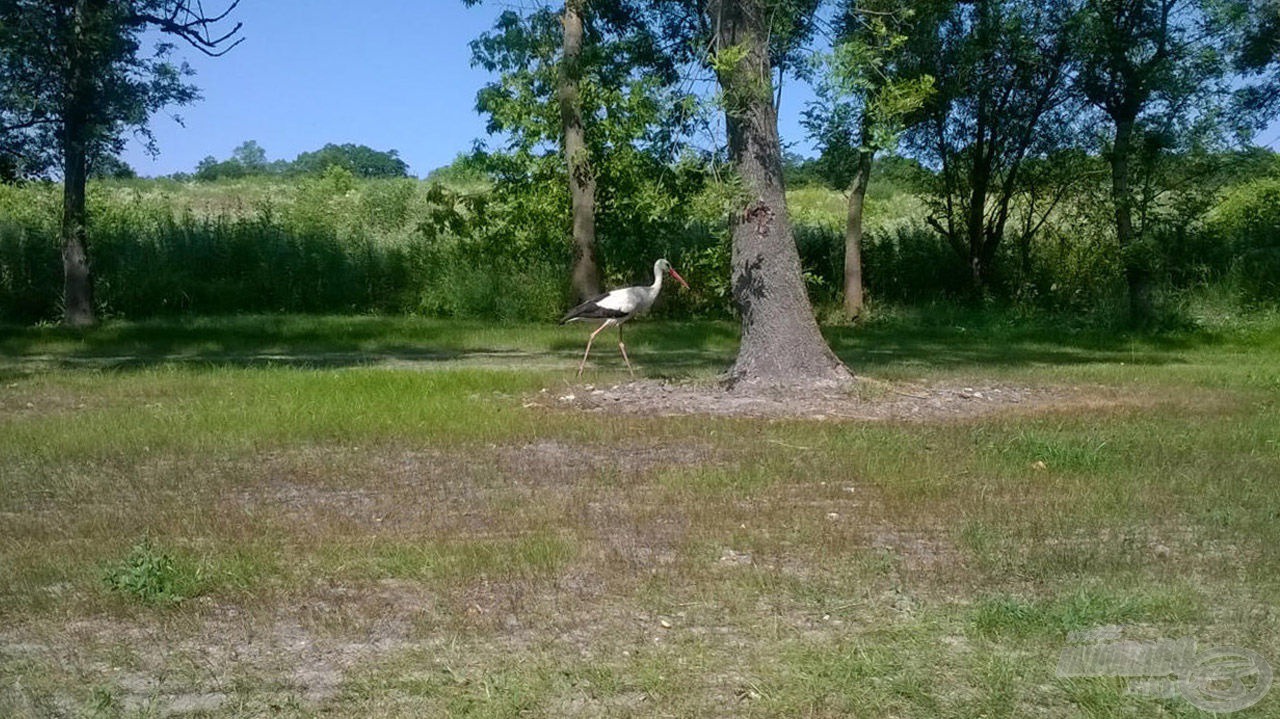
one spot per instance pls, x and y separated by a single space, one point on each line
975 220
1135 270
853 296
77 289
781 345
582 181
980 170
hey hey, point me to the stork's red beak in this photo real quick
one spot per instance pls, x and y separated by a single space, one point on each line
673 273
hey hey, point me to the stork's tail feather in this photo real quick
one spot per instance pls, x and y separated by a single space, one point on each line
590 310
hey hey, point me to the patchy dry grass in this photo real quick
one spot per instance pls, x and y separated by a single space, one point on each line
366 538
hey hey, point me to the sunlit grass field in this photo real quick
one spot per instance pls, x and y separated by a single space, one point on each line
367 516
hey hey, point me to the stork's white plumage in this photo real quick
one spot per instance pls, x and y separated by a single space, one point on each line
618 306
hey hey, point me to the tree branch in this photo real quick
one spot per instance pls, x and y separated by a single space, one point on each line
26 124
193 28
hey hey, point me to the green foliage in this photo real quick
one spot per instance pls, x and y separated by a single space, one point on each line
892 102
633 117
1001 96
1062 254
800 171
1000 99
865 93
30 262
83 63
1248 223
748 84
250 159
463 173
210 168
110 167
335 243
1257 58
251 156
360 160
1157 63
152 576
792 24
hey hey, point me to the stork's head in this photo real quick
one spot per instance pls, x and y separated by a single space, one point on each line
664 266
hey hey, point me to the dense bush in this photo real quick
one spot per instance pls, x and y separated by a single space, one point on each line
1245 227
30 261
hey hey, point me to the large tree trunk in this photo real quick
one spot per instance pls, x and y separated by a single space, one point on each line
582 181
1135 269
781 345
77 289
853 296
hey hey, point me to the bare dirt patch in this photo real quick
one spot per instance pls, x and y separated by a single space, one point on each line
553 458
470 491
868 399
198 659
19 402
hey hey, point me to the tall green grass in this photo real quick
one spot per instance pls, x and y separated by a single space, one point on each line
336 244
325 244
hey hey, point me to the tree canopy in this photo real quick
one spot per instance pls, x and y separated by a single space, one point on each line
86 58
249 158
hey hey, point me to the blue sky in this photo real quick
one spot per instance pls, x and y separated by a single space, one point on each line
391 74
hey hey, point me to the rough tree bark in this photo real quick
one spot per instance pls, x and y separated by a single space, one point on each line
781 345
1135 270
77 288
853 296
582 182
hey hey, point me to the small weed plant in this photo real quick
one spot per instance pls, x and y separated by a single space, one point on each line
153 576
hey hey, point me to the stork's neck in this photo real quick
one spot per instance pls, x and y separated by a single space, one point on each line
657 278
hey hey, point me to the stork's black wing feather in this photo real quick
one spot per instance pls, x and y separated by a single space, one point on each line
591 310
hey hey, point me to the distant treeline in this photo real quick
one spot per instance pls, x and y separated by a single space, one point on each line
250 159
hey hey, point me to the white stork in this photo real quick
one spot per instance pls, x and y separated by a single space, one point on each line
619 306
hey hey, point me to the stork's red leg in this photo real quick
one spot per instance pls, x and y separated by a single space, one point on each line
624 352
589 341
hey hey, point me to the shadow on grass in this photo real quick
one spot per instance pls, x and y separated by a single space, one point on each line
940 347
955 335
244 341
916 338
231 334
712 338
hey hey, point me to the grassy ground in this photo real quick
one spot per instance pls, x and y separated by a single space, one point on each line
367 517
